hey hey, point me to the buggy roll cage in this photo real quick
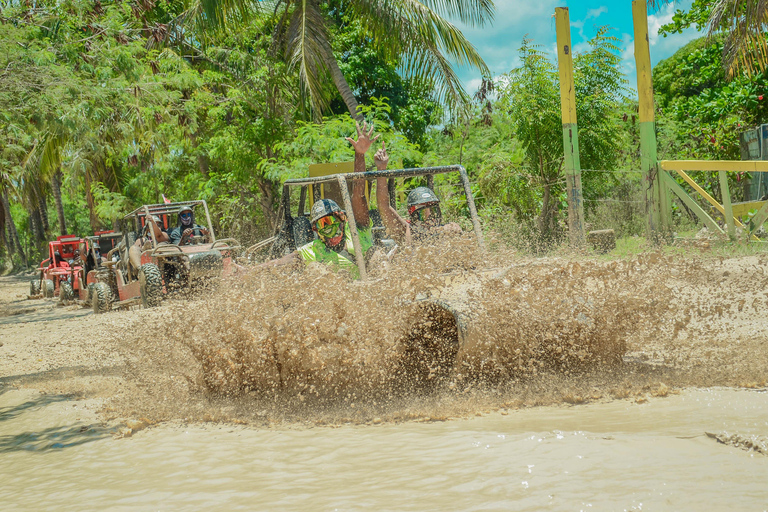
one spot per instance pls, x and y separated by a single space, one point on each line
343 179
139 214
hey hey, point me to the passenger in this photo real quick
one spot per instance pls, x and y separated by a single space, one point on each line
183 233
426 219
334 245
144 242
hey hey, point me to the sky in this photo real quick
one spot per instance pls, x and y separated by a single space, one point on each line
498 43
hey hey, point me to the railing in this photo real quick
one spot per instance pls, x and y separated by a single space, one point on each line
730 211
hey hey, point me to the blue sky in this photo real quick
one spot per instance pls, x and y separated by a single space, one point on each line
498 43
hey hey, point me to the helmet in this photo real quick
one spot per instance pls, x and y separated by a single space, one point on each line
185 209
323 208
421 197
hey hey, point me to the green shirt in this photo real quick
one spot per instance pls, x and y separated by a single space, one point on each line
317 251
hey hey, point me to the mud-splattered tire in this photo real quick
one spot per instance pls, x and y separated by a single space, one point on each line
48 288
101 299
34 288
150 285
66 292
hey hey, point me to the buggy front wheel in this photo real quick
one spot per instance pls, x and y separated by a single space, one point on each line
150 285
101 299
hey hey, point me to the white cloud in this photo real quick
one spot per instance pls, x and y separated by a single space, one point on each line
595 13
661 47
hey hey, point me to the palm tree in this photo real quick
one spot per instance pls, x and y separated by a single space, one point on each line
744 24
415 32
411 31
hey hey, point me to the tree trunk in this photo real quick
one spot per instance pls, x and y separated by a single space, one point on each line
341 84
56 186
543 220
43 207
36 224
12 229
267 202
92 217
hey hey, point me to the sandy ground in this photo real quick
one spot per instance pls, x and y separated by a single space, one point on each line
56 348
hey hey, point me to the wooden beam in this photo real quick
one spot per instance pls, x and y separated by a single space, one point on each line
760 217
726 193
714 202
689 202
657 203
715 165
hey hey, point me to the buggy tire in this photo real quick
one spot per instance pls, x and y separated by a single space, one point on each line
48 288
150 285
66 292
101 299
34 287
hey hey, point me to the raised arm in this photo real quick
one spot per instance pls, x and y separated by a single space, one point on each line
361 145
396 226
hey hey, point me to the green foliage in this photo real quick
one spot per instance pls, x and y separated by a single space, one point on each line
697 16
708 112
530 94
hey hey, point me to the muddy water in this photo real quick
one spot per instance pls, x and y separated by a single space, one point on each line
610 456
575 384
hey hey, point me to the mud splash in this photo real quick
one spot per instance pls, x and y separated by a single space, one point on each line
444 332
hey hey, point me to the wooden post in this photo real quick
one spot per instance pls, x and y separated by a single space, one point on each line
728 209
570 128
656 198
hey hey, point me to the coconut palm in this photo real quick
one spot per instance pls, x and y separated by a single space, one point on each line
414 32
743 24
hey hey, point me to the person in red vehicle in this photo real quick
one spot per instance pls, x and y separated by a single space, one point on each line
187 229
134 252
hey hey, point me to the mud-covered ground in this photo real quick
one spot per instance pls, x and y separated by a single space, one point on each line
307 346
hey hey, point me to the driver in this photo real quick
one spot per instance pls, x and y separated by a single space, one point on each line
426 219
333 244
183 233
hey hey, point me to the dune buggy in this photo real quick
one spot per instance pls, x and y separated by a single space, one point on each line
62 274
439 324
164 267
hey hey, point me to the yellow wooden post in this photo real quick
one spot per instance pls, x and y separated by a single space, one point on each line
656 198
570 127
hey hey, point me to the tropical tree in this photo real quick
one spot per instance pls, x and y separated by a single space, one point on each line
531 95
413 33
742 23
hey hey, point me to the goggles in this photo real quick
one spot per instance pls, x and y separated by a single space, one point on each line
185 215
328 226
426 213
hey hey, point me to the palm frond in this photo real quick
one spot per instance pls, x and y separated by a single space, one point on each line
307 46
407 25
745 23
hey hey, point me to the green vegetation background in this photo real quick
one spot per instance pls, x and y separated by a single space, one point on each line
108 105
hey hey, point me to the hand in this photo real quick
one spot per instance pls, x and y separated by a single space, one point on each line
381 158
364 141
185 236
